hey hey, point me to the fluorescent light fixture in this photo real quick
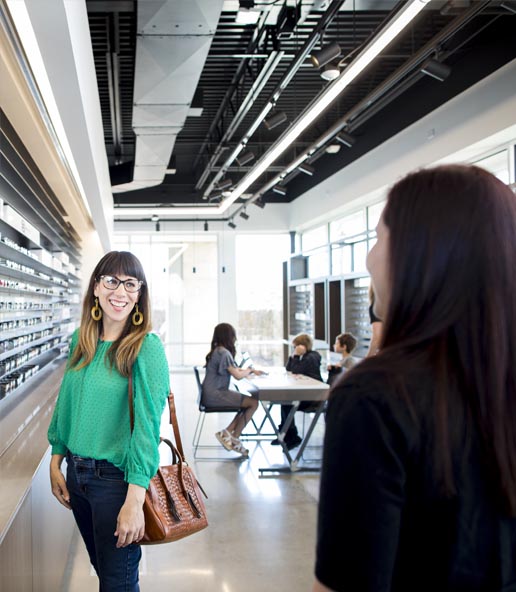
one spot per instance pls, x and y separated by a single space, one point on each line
325 55
436 69
231 224
404 16
346 139
244 215
276 119
306 169
245 158
280 190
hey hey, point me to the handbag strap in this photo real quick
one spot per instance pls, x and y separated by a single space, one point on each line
172 419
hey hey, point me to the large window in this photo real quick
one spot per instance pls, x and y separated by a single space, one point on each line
259 279
182 275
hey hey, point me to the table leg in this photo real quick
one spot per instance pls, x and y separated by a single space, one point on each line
293 463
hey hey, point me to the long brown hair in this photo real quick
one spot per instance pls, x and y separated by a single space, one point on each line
224 335
452 305
123 352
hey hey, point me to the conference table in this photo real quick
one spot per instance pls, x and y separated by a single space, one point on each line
281 387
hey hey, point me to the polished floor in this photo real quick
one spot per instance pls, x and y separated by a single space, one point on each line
262 529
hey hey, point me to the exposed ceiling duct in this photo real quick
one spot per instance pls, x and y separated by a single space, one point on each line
173 41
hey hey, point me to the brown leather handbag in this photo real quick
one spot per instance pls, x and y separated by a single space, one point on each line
173 506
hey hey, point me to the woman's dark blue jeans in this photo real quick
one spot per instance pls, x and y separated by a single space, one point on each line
97 492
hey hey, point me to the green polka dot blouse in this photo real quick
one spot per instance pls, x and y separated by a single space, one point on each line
91 417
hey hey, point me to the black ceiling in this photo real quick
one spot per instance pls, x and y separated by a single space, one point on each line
391 94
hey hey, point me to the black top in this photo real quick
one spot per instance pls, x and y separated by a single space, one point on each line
308 364
383 524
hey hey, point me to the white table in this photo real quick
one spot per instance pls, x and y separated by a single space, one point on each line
283 387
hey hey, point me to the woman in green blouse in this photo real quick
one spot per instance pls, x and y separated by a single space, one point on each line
108 466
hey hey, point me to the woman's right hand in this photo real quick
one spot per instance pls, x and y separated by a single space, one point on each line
58 482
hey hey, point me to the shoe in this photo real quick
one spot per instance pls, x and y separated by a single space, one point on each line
290 442
237 446
293 442
224 437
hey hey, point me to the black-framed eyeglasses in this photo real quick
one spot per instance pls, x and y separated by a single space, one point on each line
110 282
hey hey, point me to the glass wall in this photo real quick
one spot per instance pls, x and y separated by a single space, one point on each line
259 287
350 239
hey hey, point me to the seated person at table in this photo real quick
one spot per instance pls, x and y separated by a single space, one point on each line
307 362
345 343
220 367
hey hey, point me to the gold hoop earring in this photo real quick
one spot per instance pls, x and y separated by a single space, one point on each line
96 311
137 317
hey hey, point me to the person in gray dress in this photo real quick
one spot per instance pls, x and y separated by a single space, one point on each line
216 391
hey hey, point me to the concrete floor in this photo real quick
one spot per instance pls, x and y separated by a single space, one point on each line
262 529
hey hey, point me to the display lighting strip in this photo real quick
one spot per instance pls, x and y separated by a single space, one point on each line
401 20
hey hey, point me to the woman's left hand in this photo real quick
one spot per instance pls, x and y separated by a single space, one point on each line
130 524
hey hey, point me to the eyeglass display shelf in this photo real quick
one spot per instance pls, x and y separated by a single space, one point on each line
19 257
27 330
32 277
21 348
25 313
36 360
59 297
47 359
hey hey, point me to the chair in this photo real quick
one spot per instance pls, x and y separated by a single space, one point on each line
257 435
202 415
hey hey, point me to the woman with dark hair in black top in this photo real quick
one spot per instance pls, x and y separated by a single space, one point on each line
418 488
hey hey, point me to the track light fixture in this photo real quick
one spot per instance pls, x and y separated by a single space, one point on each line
206 227
325 55
306 169
244 215
225 184
346 139
215 197
276 119
231 224
246 158
259 203
436 69
155 218
280 190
